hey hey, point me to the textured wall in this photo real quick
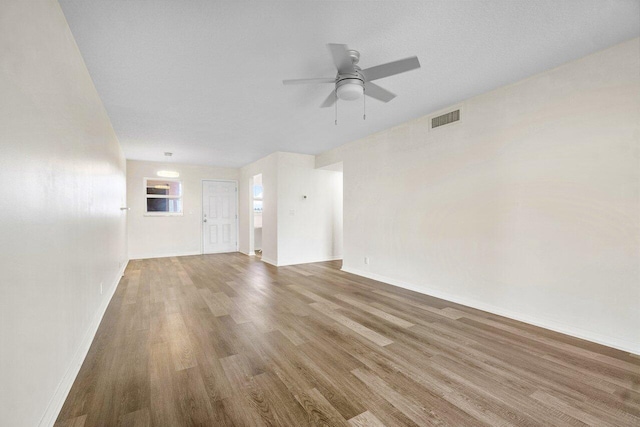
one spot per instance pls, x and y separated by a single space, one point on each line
62 232
528 207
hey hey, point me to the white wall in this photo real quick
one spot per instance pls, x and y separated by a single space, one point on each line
162 236
62 232
529 207
313 232
309 230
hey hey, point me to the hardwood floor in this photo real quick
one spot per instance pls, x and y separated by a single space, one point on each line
222 340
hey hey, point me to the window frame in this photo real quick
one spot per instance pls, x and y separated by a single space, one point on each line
160 196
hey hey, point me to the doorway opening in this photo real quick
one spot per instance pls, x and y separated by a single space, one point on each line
257 193
337 221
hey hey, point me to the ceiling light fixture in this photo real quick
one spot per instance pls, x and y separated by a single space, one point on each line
168 174
350 89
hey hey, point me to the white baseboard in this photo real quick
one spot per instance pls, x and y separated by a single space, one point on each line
552 325
164 255
64 386
287 263
298 262
269 261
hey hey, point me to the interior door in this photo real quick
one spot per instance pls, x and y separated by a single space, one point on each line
219 216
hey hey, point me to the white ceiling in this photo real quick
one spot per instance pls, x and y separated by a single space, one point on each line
202 78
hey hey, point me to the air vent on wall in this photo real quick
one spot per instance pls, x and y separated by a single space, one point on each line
445 119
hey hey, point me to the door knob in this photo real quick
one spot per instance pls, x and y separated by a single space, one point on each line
205 220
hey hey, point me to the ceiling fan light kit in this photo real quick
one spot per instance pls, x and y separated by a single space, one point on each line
350 89
352 82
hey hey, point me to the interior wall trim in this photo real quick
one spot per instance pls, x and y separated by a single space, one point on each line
324 259
269 261
166 255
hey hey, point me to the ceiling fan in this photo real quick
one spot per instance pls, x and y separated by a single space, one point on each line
352 82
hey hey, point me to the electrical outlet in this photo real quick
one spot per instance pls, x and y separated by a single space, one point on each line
366 260
101 283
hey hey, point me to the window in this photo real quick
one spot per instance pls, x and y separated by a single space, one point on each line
257 198
257 207
163 196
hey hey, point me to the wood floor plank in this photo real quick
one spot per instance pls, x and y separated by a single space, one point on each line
504 393
133 281
218 302
376 312
238 371
73 422
319 410
236 411
314 296
572 409
164 397
180 344
139 418
354 326
286 409
365 419
227 340
191 398
422 306
413 410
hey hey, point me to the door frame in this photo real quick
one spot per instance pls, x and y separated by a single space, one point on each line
235 181
252 238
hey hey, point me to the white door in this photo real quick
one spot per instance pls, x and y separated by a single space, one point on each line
219 216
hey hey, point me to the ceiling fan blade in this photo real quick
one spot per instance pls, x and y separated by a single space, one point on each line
375 91
304 81
331 99
341 58
391 68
